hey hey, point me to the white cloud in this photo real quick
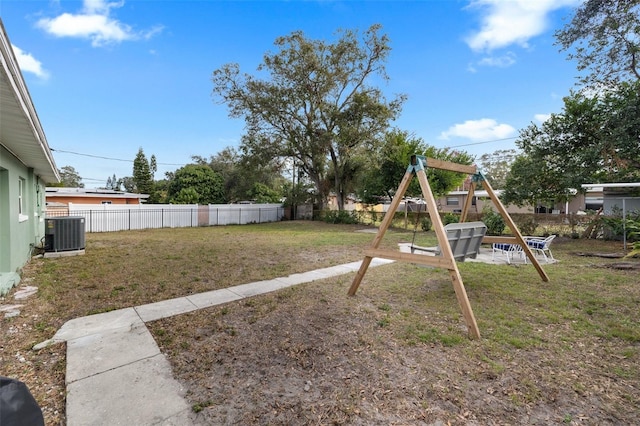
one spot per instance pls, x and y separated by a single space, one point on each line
503 61
542 117
100 6
484 129
152 32
29 64
94 23
100 29
507 22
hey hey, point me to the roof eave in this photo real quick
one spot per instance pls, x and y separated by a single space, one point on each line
22 106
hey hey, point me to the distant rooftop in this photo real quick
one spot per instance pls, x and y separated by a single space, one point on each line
52 191
611 185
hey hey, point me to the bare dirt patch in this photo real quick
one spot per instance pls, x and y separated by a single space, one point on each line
603 255
43 371
626 266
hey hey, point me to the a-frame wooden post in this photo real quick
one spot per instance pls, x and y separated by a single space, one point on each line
446 260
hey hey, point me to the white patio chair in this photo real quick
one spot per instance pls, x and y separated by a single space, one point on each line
541 246
507 250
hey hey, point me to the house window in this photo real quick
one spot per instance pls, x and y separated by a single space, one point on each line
21 194
452 201
20 189
593 203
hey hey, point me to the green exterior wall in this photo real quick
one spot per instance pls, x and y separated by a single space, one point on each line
19 234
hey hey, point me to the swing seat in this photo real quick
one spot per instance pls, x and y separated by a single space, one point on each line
464 239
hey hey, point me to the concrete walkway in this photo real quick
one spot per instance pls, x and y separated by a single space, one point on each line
116 374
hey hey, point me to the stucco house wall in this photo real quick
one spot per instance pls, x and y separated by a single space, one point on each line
26 163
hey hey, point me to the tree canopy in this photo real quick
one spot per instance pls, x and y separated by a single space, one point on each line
241 173
496 166
196 184
113 183
605 38
317 107
594 140
388 166
69 178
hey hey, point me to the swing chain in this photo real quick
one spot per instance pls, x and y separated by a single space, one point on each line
415 227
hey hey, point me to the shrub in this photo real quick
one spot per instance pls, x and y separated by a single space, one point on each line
448 218
425 223
340 216
527 225
616 226
374 215
493 220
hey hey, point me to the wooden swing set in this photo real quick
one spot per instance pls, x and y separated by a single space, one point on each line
446 259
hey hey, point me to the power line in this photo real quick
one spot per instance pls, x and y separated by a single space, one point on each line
180 165
108 158
480 143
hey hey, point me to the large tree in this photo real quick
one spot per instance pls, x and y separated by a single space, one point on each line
604 38
196 184
534 181
495 166
69 178
594 139
317 105
389 164
241 173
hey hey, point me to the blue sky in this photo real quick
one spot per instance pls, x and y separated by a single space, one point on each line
109 77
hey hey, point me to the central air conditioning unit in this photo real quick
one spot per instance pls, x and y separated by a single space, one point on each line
64 233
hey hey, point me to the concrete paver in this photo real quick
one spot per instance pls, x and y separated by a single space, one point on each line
260 287
165 308
141 393
212 298
100 352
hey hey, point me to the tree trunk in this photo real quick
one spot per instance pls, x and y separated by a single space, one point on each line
337 180
340 200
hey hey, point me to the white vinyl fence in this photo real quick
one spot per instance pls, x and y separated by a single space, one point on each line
121 217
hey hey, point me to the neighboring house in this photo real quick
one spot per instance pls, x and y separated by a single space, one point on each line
350 201
454 201
615 196
26 164
592 199
59 199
